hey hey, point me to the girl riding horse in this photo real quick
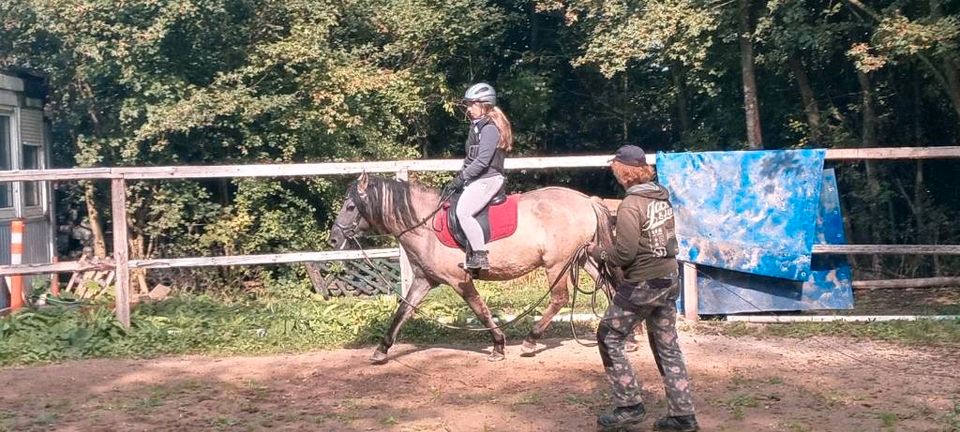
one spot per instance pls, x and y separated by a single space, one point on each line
481 177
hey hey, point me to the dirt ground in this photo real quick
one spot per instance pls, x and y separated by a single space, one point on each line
741 384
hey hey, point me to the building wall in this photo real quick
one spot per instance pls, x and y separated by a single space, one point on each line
27 129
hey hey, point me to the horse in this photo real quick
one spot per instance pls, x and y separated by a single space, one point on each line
553 224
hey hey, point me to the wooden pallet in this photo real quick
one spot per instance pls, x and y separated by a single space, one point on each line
355 278
91 284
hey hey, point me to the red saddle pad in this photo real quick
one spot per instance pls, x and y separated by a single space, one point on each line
503 222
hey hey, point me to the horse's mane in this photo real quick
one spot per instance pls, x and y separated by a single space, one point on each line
388 202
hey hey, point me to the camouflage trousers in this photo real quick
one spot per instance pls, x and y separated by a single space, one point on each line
653 302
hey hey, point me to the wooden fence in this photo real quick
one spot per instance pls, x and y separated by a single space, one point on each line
120 175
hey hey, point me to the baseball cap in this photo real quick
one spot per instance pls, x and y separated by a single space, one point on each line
630 155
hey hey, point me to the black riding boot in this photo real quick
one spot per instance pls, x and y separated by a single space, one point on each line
687 423
477 261
622 419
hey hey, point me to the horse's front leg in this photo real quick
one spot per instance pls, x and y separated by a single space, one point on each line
418 290
479 307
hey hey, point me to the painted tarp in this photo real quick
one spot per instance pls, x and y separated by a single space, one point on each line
829 285
753 212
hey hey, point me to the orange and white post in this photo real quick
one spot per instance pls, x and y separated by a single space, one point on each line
16 257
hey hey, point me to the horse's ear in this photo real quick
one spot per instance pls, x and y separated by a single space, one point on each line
362 183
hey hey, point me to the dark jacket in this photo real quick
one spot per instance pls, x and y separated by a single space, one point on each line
483 159
645 246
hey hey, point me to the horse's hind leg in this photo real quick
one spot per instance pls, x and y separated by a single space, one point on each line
559 297
418 290
469 293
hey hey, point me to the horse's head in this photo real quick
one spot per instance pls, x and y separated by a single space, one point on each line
350 222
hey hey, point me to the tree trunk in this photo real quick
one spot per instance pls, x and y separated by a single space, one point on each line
854 260
869 113
810 106
950 64
750 104
625 99
224 187
683 113
937 268
920 206
534 16
869 133
96 226
953 81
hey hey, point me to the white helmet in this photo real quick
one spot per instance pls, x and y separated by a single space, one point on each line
481 92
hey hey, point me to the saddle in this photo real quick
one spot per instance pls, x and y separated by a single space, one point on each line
498 220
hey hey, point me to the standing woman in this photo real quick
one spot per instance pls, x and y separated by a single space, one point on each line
645 248
481 176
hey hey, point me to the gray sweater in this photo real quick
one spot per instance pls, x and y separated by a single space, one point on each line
483 159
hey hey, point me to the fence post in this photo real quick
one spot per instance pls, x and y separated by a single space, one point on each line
691 297
55 279
16 257
118 206
406 271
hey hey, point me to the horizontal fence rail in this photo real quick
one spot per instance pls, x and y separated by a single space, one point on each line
344 168
889 249
120 175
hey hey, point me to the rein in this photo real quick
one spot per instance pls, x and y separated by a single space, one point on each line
570 264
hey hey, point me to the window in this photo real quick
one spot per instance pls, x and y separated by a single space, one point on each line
31 190
6 189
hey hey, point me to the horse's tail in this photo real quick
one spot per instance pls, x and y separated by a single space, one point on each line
603 237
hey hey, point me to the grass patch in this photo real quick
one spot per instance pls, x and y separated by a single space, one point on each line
794 426
888 419
921 332
587 400
737 404
533 398
277 322
953 418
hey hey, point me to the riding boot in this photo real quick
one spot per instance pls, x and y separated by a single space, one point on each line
477 261
622 419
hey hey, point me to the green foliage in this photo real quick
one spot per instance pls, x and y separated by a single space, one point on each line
286 317
188 325
176 82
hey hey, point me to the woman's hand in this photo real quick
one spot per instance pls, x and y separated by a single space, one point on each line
454 185
595 252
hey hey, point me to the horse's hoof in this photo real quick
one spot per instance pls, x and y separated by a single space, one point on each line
530 349
496 356
378 358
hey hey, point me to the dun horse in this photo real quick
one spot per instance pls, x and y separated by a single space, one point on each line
552 224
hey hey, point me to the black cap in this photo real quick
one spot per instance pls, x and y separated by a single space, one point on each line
630 155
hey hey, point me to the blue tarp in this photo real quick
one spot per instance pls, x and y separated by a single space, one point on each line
750 220
828 287
752 212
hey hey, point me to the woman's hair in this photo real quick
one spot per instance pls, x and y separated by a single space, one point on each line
629 175
503 124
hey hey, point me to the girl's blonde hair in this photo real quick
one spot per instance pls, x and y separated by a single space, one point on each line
503 124
629 175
